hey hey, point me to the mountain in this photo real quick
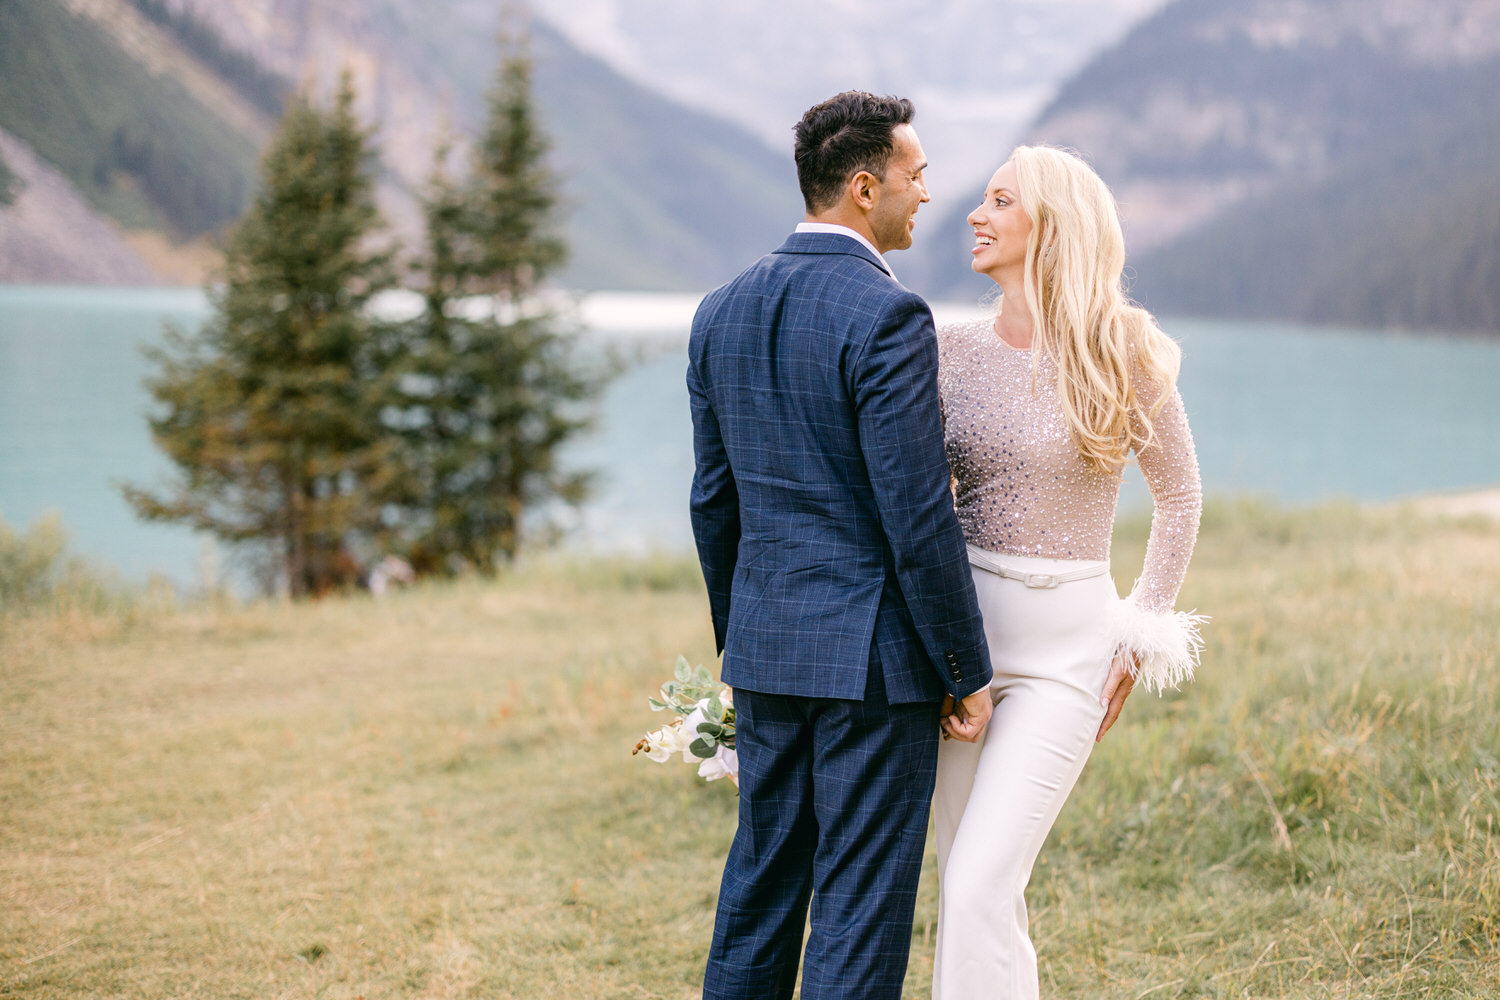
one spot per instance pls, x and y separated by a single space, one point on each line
670 197
1319 160
100 126
143 115
977 70
652 184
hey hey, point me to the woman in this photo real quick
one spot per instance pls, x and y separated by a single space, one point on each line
1041 408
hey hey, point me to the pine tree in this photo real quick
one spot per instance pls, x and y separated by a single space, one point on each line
486 395
513 190
269 410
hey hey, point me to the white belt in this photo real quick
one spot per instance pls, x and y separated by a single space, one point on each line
991 563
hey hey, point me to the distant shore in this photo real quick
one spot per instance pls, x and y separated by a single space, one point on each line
1461 503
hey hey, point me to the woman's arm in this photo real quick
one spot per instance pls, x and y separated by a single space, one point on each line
1165 643
1170 466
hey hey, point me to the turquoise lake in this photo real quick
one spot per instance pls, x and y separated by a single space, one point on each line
1294 413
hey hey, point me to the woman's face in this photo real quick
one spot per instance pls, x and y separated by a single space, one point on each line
1001 227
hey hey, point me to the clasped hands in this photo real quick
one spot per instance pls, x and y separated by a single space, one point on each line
965 720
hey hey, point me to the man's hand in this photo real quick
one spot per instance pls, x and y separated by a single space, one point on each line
966 719
1116 689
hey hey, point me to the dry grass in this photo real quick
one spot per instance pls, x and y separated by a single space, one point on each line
432 796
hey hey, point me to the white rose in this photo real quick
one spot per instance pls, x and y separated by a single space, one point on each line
723 764
690 732
675 738
657 748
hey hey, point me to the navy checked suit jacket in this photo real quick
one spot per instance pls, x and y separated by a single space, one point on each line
820 500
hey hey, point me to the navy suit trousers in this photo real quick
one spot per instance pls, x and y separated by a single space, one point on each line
833 808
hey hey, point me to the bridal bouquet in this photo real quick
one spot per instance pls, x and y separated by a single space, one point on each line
703 732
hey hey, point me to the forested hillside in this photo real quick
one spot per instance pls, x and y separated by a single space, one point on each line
662 196
156 120
138 145
1404 231
265 89
1322 160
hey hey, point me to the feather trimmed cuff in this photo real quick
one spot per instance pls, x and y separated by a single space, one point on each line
1167 644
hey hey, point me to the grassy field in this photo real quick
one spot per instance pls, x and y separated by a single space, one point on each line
433 796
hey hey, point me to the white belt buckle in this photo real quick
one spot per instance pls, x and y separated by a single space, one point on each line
1040 581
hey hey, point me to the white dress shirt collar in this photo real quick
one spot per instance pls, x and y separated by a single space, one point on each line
837 230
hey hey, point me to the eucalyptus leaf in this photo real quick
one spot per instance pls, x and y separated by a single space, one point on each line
683 670
714 709
703 749
711 730
702 676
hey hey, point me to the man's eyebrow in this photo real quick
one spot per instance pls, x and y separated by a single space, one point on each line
920 167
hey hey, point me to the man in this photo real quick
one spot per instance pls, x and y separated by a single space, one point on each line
840 590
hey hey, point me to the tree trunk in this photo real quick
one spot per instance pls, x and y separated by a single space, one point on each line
296 541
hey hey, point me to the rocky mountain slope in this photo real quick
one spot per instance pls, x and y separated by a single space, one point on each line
52 235
977 70
118 104
110 129
1324 160
1327 160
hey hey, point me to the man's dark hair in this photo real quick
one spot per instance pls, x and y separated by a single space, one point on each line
845 134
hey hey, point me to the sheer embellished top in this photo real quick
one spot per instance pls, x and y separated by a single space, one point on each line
1022 488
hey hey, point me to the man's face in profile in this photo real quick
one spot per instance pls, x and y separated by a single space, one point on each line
901 193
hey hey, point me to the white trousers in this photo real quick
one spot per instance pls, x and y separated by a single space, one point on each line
997 799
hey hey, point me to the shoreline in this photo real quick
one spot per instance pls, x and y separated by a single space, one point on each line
1484 502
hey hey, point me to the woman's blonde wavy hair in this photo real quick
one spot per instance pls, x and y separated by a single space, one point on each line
1075 257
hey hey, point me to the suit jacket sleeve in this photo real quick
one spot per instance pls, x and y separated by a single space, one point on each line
714 506
900 433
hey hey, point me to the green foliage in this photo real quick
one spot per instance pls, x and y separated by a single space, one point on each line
299 423
512 188
138 145
37 569
705 716
264 89
31 562
269 412
482 399
689 686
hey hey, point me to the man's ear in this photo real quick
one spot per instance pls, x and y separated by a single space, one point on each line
862 189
